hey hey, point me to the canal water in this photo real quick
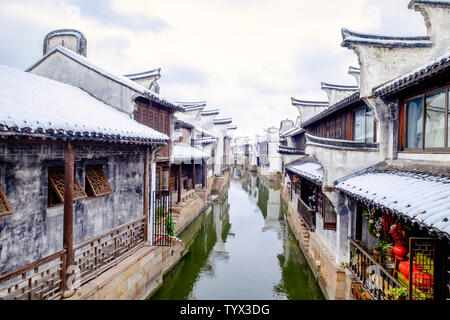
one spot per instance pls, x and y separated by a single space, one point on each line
241 248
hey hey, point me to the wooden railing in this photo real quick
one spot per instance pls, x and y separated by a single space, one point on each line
35 281
95 255
375 279
307 214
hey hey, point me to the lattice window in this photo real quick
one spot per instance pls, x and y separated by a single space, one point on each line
5 208
56 187
96 181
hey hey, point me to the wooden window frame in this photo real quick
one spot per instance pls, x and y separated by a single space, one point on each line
78 192
403 126
352 131
93 185
5 203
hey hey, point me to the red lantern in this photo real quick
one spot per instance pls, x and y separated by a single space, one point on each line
399 251
403 267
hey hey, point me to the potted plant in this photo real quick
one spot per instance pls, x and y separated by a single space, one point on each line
397 293
380 251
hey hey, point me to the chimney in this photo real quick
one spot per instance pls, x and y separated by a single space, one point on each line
69 38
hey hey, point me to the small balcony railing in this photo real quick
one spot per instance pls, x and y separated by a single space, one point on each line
307 214
97 254
43 279
35 281
376 280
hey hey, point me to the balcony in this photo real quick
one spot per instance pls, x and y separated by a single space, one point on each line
307 214
374 279
45 279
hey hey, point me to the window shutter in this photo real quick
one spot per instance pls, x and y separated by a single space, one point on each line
56 179
5 208
329 215
97 180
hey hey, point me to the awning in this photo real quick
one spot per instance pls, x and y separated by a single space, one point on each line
310 170
184 153
420 197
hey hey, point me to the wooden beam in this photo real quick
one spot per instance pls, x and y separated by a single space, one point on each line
69 168
193 174
203 174
146 192
179 182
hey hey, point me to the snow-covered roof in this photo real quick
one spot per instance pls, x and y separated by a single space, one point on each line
117 78
292 132
31 104
234 127
354 70
209 112
439 3
288 150
420 197
431 68
338 87
191 106
204 140
351 38
306 103
143 75
187 153
223 121
310 170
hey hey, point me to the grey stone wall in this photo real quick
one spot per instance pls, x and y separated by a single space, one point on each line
34 230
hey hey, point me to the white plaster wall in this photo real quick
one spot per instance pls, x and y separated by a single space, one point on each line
380 65
70 42
338 163
307 112
335 95
61 68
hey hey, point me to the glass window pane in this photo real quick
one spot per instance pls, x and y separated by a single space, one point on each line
369 125
359 126
435 120
414 123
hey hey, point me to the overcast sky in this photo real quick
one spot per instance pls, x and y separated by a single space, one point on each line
245 57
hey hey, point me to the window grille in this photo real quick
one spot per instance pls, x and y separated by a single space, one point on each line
96 181
4 204
56 184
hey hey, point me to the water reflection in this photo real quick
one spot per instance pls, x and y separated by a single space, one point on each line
241 248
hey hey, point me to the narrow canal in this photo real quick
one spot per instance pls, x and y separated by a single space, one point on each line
241 248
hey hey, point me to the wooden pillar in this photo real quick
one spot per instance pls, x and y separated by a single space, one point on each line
203 174
193 174
179 182
146 192
69 166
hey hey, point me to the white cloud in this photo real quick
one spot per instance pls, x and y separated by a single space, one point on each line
245 57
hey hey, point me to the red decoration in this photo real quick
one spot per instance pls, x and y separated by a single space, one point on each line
422 280
399 251
403 267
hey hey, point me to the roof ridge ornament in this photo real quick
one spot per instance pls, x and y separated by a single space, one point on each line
309 103
325 85
352 38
